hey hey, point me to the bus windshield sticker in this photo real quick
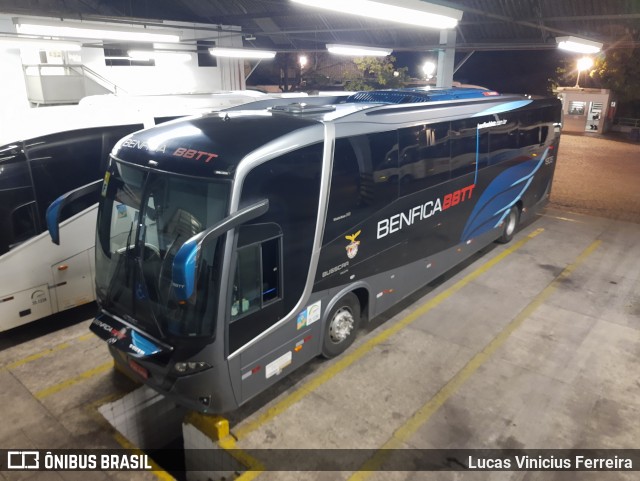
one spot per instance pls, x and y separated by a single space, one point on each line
105 185
122 211
352 249
274 368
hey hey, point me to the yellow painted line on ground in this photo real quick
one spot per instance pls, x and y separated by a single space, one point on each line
408 429
216 428
74 380
46 352
563 218
347 360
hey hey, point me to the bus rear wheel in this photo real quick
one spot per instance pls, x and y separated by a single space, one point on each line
510 225
341 327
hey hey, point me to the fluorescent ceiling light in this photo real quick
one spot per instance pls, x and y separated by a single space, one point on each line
241 53
356 51
17 42
578 45
141 55
98 32
412 12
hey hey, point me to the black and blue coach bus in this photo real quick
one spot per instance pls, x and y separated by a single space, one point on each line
234 247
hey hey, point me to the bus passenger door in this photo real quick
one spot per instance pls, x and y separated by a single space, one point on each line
270 269
256 292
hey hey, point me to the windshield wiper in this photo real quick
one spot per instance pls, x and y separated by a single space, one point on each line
128 248
123 258
164 292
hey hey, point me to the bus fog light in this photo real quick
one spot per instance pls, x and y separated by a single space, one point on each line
191 367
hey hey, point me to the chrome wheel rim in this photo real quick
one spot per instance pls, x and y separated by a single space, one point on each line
341 325
511 222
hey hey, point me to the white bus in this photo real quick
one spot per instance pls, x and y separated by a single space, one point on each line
46 152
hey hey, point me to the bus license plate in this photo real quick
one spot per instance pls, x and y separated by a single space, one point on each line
138 369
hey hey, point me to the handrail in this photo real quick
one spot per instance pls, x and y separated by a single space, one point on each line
84 71
101 80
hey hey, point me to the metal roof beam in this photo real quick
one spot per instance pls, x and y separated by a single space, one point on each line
504 18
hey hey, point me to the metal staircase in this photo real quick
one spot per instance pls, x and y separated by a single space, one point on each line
64 84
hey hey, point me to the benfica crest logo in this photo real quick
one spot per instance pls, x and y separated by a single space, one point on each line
352 249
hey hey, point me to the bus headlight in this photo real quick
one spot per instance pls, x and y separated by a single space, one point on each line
191 367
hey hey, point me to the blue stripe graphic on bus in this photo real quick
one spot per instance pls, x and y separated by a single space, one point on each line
142 345
503 192
503 108
475 179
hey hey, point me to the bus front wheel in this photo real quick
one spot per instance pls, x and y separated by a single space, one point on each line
510 225
341 327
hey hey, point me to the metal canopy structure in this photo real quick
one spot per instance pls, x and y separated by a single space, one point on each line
285 26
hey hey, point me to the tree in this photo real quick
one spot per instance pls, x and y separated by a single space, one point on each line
619 70
376 73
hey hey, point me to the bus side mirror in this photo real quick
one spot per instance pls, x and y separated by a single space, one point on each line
54 210
184 270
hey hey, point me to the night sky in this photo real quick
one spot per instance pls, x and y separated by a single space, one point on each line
522 72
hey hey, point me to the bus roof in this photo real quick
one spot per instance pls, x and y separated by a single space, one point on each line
420 95
214 144
107 110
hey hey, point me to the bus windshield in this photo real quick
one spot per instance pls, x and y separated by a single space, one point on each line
144 218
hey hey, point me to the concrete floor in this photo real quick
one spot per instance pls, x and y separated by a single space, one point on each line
531 345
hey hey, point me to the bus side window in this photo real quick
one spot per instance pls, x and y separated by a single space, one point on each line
81 152
550 118
529 133
364 178
17 202
23 221
291 183
270 270
424 157
246 288
257 277
503 138
468 146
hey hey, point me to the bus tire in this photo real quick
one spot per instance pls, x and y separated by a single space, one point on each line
341 326
510 225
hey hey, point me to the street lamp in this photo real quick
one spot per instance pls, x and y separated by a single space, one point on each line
429 69
584 63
